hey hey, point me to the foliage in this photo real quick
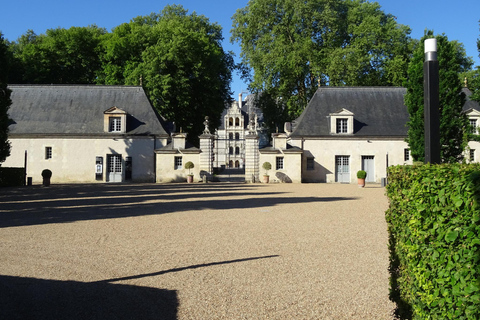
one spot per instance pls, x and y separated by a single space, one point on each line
475 81
267 166
46 173
453 123
181 62
12 177
289 47
5 102
189 165
60 56
361 174
434 227
178 57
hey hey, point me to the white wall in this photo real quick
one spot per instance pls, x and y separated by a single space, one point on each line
325 150
166 171
73 160
292 163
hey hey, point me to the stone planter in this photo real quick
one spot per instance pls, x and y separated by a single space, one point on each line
361 183
266 179
189 178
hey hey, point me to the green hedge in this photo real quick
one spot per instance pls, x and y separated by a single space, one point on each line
12 177
434 228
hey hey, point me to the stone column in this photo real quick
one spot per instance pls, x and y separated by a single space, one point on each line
252 158
206 155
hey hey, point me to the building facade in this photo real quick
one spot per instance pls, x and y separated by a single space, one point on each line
84 133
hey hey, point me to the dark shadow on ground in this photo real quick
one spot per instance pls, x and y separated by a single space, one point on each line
186 268
68 203
30 298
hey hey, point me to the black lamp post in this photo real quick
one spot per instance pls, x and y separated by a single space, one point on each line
431 103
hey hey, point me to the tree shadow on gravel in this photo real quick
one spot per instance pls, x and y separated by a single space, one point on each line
68 203
187 268
30 298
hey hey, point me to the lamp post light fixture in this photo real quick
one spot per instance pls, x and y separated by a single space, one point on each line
431 102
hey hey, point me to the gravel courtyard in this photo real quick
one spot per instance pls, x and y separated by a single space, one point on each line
194 251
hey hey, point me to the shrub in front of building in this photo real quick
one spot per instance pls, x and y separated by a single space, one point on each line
12 177
434 229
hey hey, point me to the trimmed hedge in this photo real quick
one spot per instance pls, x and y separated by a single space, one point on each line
434 229
12 177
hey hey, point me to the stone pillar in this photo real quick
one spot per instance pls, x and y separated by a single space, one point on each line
206 155
252 158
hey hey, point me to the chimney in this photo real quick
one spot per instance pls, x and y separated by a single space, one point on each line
178 140
279 141
240 100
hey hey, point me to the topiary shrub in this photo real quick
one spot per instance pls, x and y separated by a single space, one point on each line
361 174
189 165
267 166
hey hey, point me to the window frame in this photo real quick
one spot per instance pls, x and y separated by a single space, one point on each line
342 125
48 153
473 124
178 163
115 124
310 163
279 163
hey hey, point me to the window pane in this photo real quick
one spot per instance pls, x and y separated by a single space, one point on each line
342 125
48 152
279 163
310 164
178 163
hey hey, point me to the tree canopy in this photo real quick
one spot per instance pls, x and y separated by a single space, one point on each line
60 56
176 56
454 125
181 62
5 102
290 47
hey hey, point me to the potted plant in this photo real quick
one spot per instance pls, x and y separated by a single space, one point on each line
189 165
267 166
361 175
46 175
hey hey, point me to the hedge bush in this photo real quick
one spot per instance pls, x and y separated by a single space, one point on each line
12 177
434 228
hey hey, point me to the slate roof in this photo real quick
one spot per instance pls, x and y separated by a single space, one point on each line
378 112
79 110
470 104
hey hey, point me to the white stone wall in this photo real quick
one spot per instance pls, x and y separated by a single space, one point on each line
73 160
292 164
166 171
324 151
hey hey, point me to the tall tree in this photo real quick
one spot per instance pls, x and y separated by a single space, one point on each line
60 55
475 86
454 123
289 47
5 102
181 62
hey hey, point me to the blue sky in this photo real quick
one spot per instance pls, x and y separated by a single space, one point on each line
459 20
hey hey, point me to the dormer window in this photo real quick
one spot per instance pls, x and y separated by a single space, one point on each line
341 122
115 120
342 125
474 119
473 124
115 124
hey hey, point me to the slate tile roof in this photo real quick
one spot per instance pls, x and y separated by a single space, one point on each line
378 111
79 110
470 104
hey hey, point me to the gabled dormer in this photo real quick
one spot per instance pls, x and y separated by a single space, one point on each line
341 122
474 118
115 120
